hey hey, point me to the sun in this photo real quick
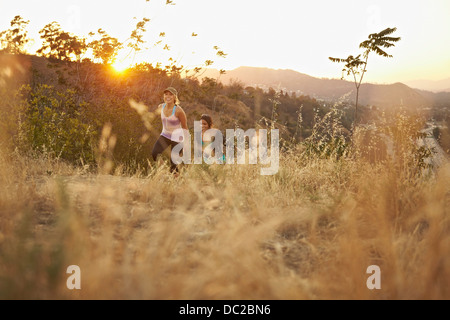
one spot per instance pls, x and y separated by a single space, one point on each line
120 65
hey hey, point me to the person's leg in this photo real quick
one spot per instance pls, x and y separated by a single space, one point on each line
160 145
173 166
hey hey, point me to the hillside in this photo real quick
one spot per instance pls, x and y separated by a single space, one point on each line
429 85
94 82
326 89
78 102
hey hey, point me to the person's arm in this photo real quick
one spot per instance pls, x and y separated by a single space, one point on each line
179 113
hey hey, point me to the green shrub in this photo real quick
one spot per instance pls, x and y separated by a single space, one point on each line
53 122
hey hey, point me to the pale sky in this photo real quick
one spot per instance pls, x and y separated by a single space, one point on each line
279 34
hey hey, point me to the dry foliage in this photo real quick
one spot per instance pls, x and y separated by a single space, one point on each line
225 232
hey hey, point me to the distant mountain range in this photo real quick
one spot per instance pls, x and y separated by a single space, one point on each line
330 89
429 85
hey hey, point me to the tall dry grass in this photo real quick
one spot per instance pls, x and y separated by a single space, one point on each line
226 232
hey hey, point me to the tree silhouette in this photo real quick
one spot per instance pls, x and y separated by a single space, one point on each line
105 49
15 39
358 67
58 44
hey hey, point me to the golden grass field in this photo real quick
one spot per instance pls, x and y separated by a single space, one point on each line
225 232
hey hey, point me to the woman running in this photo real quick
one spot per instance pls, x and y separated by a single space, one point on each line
173 117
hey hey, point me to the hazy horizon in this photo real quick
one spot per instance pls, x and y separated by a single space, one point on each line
422 84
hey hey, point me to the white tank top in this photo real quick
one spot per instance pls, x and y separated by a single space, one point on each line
170 123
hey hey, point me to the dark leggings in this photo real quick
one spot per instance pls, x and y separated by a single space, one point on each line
160 145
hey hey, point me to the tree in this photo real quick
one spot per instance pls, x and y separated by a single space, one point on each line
358 67
106 48
59 44
15 39
77 47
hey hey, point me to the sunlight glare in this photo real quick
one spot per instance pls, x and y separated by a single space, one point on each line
121 65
